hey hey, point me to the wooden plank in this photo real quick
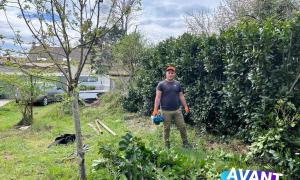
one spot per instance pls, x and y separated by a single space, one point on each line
99 129
105 127
93 127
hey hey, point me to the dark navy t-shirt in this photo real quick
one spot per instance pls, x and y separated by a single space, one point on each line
170 95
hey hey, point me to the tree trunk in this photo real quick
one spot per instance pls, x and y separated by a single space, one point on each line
294 83
31 98
26 116
80 152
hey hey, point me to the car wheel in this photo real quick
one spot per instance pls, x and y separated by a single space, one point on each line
45 101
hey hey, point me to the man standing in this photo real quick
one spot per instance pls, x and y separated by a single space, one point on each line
169 95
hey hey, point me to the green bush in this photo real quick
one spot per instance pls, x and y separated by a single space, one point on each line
132 101
86 88
279 143
232 81
260 66
134 160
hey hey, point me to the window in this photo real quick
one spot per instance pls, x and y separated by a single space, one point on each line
88 79
41 59
92 79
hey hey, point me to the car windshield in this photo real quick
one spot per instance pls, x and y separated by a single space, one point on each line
45 86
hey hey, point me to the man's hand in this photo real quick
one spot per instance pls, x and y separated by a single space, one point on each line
155 112
187 110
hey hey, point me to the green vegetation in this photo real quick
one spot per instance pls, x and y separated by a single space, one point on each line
241 85
232 82
85 88
24 153
235 88
278 143
25 89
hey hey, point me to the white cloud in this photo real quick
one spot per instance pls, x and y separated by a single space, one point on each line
157 21
163 19
18 25
155 33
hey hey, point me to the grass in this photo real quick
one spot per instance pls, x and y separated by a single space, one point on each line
24 154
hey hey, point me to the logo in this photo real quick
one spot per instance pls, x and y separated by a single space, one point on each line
240 174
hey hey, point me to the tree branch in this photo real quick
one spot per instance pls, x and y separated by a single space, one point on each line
45 47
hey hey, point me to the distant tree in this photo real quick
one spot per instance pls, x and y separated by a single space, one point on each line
231 12
26 88
200 22
126 11
127 53
101 58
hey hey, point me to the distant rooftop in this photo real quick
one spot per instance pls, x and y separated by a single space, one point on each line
39 53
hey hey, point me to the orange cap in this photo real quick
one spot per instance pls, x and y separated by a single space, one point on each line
171 68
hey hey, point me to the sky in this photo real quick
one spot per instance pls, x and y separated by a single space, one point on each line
158 20
161 19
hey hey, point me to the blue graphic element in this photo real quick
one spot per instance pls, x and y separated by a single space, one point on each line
239 174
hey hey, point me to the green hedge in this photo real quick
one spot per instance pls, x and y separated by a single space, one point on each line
231 81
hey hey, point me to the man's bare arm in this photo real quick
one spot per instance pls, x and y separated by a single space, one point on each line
157 100
183 101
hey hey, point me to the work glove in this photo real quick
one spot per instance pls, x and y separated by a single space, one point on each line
155 112
187 110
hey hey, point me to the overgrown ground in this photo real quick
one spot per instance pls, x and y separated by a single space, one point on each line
24 153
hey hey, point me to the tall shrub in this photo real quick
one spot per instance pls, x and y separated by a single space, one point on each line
231 81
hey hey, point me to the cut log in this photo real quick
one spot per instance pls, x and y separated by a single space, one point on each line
105 127
99 129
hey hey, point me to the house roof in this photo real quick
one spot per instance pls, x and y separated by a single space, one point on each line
39 52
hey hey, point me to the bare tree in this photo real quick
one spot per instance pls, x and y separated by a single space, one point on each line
206 22
231 12
73 26
200 22
126 11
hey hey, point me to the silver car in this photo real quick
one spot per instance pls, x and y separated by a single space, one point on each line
48 92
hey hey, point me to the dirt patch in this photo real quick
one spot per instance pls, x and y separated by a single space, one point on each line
138 124
7 156
142 124
11 132
43 127
235 146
